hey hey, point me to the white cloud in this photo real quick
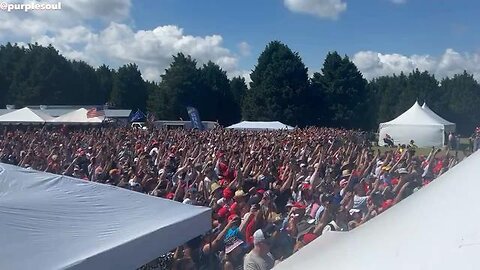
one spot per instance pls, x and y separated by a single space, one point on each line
117 43
112 10
244 48
374 64
21 24
322 8
241 73
152 50
398 2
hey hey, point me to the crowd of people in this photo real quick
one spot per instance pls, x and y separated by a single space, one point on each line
271 192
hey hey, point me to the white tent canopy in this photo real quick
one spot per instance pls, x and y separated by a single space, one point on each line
49 221
77 117
414 124
449 126
25 116
255 125
435 228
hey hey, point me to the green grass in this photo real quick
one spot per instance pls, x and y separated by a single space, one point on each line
425 151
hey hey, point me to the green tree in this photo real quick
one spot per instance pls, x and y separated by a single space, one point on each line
4 87
421 86
239 88
182 85
386 91
42 76
279 87
458 102
10 56
344 92
153 101
218 95
105 77
129 89
86 87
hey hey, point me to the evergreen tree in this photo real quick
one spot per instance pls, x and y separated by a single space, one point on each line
105 77
344 90
218 95
153 102
10 56
387 91
279 87
182 85
458 102
86 88
129 89
239 88
421 86
42 76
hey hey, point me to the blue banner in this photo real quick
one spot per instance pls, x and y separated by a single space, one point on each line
195 118
139 116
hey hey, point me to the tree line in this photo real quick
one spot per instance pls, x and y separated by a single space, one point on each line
281 90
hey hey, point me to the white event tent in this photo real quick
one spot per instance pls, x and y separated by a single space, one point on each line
449 126
78 117
50 221
25 116
415 124
434 228
255 125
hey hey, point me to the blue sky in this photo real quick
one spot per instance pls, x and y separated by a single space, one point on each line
413 27
381 36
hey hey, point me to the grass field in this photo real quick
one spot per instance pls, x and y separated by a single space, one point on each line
425 151
463 149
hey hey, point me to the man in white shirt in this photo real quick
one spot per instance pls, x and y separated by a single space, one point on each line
260 257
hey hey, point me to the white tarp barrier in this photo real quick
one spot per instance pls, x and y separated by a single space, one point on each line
414 124
25 116
49 221
254 125
435 228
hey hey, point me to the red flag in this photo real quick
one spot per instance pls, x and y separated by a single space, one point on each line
94 112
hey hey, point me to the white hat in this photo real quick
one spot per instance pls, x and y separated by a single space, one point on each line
258 236
353 211
221 201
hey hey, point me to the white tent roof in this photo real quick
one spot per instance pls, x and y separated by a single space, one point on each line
25 115
436 116
435 228
49 221
413 116
77 117
251 125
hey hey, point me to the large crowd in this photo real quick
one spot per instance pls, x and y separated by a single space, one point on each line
271 192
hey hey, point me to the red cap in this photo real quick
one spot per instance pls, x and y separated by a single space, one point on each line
261 191
223 182
233 207
299 205
306 186
228 193
170 196
223 212
232 217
